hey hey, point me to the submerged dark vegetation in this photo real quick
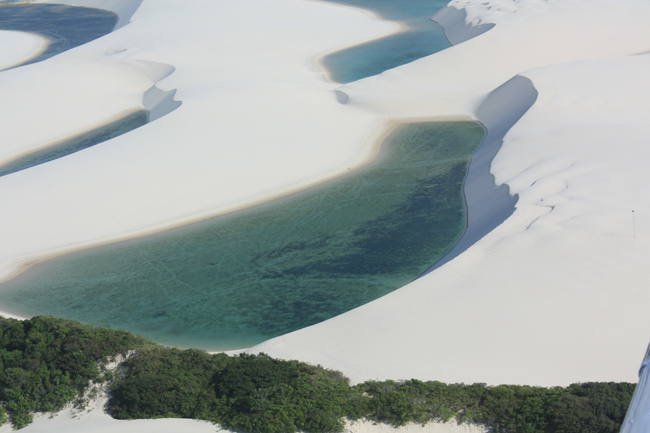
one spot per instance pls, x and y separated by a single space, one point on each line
46 363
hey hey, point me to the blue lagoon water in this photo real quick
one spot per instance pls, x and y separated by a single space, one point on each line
65 27
239 279
424 37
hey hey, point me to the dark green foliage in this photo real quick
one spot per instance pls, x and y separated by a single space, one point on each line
251 393
166 382
47 362
593 407
579 408
398 403
264 395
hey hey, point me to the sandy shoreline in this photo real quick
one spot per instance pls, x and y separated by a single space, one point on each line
374 148
388 127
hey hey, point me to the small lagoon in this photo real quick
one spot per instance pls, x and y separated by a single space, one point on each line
423 37
239 279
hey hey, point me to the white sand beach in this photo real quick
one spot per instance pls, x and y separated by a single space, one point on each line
547 287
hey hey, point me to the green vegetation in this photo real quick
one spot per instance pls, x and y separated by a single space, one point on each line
579 408
47 362
250 393
264 395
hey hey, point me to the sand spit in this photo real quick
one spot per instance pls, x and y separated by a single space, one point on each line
19 47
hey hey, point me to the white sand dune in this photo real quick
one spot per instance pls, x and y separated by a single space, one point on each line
18 47
549 285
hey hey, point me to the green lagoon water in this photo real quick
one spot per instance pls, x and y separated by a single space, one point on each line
239 279
424 37
65 27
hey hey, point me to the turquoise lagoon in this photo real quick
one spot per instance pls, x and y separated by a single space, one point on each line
239 279
423 37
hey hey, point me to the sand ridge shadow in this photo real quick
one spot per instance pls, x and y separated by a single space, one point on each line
489 204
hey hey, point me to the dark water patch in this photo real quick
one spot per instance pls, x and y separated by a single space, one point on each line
241 278
81 142
423 37
65 27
